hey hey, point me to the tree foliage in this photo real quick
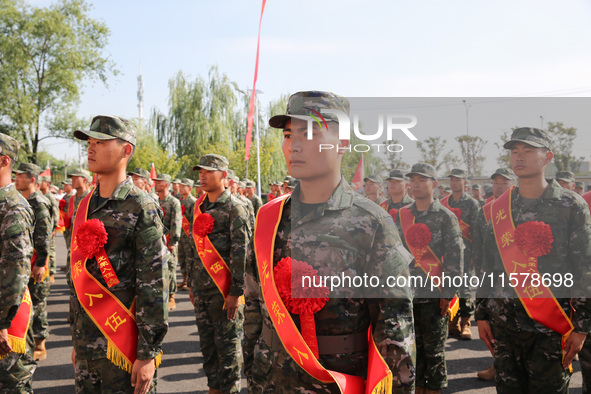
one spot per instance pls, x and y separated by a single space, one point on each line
471 150
45 55
504 157
562 139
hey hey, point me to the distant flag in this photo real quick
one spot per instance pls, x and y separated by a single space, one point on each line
358 177
46 173
253 93
153 172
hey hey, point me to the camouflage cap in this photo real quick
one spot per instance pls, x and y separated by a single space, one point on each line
212 162
44 178
423 169
566 176
241 184
278 183
67 182
250 183
140 172
107 127
197 183
475 186
186 182
305 105
579 184
397 174
9 147
447 189
504 172
176 180
163 177
288 178
28 168
232 176
80 172
458 173
374 178
529 135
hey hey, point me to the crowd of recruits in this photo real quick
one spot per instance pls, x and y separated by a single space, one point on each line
410 334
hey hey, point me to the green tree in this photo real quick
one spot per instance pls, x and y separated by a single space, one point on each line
431 151
562 139
471 150
504 158
394 160
45 55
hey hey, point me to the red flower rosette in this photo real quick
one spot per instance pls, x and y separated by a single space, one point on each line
306 300
458 212
183 209
418 237
91 237
62 204
393 213
534 238
203 224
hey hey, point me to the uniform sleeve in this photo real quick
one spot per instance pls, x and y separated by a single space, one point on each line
453 253
176 222
42 232
55 211
15 261
239 239
253 319
477 241
489 250
579 248
151 262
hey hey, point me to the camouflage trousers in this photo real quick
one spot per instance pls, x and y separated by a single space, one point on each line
52 263
102 376
466 301
185 254
585 359
16 373
172 272
39 294
528 362
221 343
430 336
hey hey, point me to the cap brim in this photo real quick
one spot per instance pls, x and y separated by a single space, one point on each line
279 121
198 167
457 176
509 144
565 180
395 178
86 134
419 173
496 174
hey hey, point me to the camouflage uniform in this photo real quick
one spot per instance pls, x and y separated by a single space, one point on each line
349 231
376 179
55 216
470 211
397 205
136 248
187 252
256 201
430 327
67 230
219 337
171 207
77 199
16 250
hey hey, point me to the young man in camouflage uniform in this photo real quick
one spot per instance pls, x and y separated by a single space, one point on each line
476 194
373 188
250 193
219 320
140 178
469 213
176 192
503 179
331 227
16 250
26 177
566 179
136 249
528 355
186 248
397 192
69 192
198 189
45 182
171 208
431 307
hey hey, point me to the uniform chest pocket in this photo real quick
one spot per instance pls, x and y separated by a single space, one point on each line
330 255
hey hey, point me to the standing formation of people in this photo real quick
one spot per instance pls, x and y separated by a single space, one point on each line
254 270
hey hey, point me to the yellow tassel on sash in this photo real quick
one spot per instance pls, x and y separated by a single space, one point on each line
18 345
385 385
118 359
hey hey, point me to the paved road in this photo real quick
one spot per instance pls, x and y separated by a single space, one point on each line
181 370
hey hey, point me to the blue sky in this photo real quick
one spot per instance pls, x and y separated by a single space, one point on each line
353 48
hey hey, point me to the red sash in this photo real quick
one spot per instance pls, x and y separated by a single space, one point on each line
487 209
490 199
425 258
539 302
212 261
17 333
186 226
116 322
465 227
384 204
34 259
379 376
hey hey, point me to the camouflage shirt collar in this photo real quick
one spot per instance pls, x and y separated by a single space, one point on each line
121 191
464 197
6 189
553 191
434 207
341 198
222 198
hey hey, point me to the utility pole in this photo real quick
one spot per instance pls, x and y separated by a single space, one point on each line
467 109
140 97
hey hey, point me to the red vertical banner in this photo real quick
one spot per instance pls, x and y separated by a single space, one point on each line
253 93
358 177
153 172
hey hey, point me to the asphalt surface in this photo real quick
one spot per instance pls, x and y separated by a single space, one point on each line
181 370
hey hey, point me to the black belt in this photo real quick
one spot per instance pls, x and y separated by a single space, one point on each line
327 344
